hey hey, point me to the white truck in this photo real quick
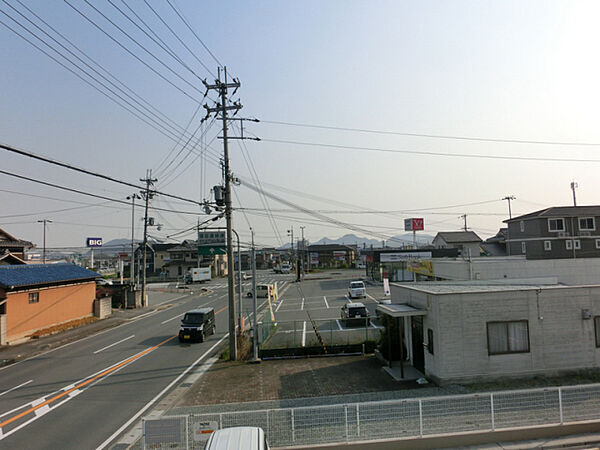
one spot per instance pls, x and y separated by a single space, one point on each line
197 275
283 268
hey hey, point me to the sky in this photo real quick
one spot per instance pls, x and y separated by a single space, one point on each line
490 71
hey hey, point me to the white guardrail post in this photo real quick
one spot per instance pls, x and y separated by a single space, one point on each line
187 432
293 429
358 419
346 414
143 434
492 411
560 408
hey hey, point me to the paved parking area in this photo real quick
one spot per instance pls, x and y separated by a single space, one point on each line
321 301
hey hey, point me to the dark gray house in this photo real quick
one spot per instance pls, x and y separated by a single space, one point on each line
556 232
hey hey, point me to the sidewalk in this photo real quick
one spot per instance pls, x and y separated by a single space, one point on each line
13 353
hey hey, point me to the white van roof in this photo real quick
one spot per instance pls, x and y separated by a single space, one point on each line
237 438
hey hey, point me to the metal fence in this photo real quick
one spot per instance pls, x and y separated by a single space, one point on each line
407 418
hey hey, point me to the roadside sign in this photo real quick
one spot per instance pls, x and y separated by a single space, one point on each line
211 238
203 430
414 224
211 250
93 242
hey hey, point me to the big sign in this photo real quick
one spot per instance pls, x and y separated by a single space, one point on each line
94 242
414 224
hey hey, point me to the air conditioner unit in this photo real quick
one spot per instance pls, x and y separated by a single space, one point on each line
562 234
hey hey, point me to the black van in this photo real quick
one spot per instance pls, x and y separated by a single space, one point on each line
197 324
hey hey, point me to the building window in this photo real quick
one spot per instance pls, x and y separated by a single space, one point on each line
547 245
508 337
523 247
556 225
577 244
430 340
587 223
34 297
569 244
597 243
597 330
522 226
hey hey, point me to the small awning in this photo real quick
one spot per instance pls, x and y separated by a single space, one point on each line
400 310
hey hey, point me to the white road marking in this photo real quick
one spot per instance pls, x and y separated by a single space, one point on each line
279 306
326 304
372 298
113 344
304 334
41 411
172 318
159 395
347 298
302 307
339 325
16 387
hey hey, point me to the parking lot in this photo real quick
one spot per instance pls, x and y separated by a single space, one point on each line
317 304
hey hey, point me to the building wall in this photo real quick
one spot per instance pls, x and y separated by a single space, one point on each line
568 271
560 339
56 305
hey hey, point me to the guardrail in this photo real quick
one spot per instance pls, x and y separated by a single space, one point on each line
409 418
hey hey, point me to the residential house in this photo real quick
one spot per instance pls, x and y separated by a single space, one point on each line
11 244
34 297
185 256
556 232
495 245
467 242
157 255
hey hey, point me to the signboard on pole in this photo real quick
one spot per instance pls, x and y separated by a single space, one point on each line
404 256
414 224
93 242
314 257
211 243
339 255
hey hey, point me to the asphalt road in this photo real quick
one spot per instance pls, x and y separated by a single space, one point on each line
79 395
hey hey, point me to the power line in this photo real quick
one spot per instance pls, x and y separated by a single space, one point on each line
434 136
426 153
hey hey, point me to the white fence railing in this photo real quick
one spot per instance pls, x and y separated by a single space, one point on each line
387 419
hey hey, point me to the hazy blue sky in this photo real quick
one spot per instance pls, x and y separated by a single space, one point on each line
502 70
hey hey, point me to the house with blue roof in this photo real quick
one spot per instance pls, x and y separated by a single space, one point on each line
35 297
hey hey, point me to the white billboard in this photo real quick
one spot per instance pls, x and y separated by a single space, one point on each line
404 256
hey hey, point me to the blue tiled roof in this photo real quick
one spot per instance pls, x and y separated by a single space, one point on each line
12 276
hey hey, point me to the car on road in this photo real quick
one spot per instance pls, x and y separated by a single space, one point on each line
197 324
355 313
357 289
103 282
262 290
237 438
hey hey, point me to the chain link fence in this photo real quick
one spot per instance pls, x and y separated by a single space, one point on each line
365 421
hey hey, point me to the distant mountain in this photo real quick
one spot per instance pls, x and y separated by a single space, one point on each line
351 239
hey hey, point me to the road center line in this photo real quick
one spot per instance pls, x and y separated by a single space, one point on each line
16 387
326 304
113 344
82 384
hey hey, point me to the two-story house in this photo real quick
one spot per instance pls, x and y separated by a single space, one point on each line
466 242
556 232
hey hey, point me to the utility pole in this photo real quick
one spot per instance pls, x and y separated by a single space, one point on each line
464 216
222 109
254 319
302 254
508 198
574 185
132 197
147 194
45 221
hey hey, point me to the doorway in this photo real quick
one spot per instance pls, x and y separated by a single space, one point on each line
418 350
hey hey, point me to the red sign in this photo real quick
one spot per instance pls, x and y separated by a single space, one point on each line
418 224
369 258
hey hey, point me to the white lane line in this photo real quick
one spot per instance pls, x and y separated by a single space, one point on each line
302 307
347 298
372 298
304 334
159 395
326 304
339 325
279 306
172 318
113 344
41 411
16 387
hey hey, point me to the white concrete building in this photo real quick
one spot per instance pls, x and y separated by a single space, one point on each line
476 331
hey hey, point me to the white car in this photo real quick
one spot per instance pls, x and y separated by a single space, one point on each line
357 289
